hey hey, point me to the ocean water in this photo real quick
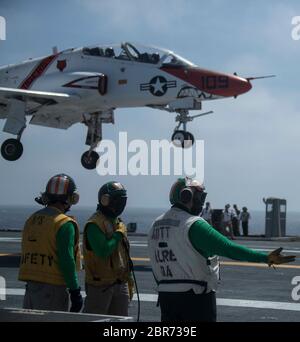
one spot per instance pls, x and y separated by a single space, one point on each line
13 217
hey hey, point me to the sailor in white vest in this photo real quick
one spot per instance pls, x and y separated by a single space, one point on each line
183 249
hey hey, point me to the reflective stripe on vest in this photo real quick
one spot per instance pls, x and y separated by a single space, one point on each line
100 271
39 259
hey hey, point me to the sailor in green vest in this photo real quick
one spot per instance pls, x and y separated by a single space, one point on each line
50 250
109 285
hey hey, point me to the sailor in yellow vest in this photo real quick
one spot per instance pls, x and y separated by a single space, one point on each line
50 250
109 285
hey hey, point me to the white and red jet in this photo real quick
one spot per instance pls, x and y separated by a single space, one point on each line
87 84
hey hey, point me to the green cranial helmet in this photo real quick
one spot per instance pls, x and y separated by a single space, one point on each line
176 188
113 189
188 191
112 198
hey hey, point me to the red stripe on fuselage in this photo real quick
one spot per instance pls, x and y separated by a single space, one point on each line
211 82
37 72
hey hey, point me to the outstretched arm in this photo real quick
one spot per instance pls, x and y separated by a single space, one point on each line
209 242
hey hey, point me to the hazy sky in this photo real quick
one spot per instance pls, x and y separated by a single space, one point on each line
252 144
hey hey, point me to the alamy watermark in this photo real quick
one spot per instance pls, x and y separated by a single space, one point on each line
2 28
296 29
157 158
296 289
2 288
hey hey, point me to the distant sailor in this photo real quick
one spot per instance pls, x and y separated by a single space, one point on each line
227 217
236 220
207 213
109 286
183 249
245 217
50 250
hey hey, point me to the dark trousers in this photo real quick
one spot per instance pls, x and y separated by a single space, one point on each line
188 307
245 228
235 227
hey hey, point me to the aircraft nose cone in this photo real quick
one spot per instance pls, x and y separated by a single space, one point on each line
241 85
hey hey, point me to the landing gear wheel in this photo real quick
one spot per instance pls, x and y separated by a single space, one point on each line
183 139
89 162
11 149
178 138
189 140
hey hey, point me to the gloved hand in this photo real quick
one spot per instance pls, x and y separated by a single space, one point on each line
76 300
276 258
131 288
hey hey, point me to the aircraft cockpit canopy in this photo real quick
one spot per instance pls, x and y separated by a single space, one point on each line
138 53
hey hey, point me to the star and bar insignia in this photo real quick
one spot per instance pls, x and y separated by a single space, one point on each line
158 86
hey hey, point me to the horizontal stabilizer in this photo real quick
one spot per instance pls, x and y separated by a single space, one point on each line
22 94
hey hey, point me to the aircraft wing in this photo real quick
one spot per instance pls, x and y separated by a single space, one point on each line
41 97
44 117
56 120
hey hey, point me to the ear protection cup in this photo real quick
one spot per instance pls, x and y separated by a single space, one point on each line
44 198
105 200
74 198
186 195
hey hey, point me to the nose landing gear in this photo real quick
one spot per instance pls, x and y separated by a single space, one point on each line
183 138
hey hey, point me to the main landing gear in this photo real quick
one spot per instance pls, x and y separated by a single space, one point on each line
90 158
183 138
12 149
